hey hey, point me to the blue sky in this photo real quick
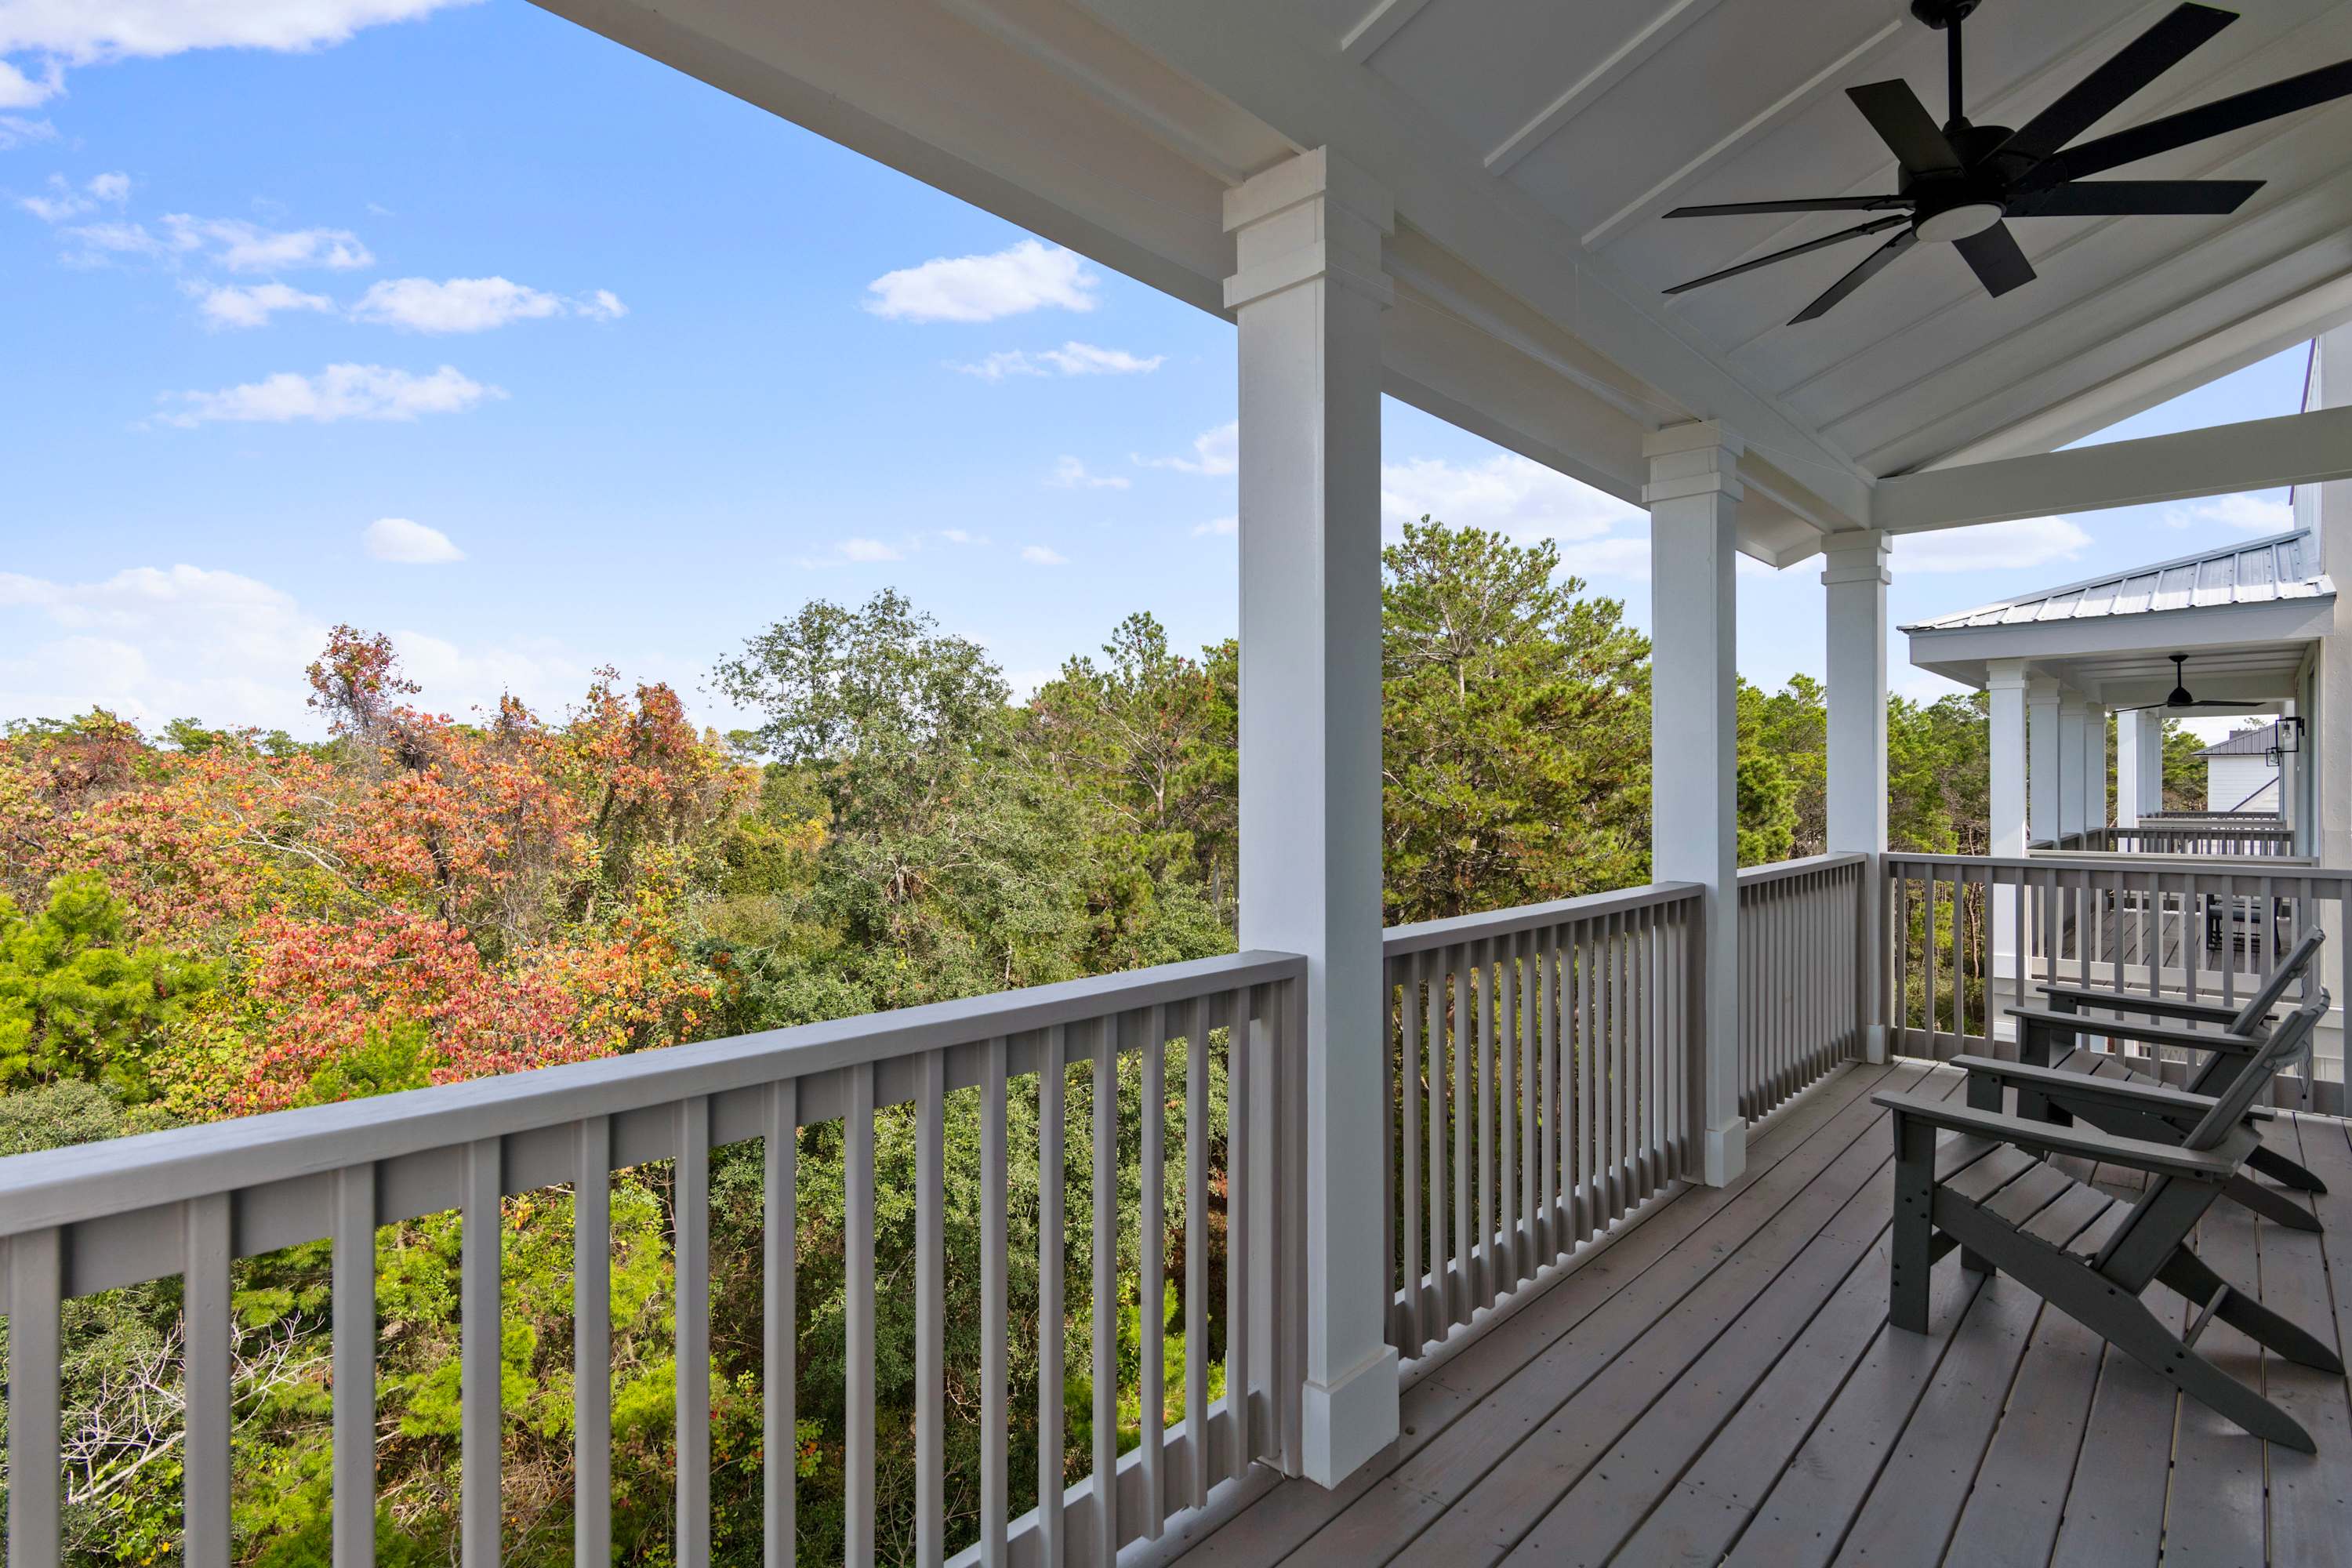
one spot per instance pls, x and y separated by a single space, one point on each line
477 328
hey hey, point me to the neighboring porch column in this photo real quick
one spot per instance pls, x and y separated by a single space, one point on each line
2042 757
2074 757
1857 578
2094 766
2007 686
1693 499
2139 766
1308 295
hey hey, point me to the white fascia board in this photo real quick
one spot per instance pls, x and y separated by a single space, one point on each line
1251 53
2260 454
2161 632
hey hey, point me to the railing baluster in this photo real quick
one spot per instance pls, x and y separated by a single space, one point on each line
1429 972
1151 1249
779 1329
930 1311
353 1326
1240 1171
479 1422
1050 1326
1103 1298
1196 1250
1456 966
1392 1071
36 1429
208 1339
994 1418
1507 1080
691 1253
1407 1252
857 1263
1547 960
1480 994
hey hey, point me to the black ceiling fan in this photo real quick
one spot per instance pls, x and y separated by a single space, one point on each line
1959 182
2180 698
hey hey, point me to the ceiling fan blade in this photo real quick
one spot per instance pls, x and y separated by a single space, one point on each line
1796 205
1993 256
1874 226
2218 118
2137 63
1869 268
1903 123
2138 198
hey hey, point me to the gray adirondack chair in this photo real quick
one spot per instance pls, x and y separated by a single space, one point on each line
2048 1039
1988 1189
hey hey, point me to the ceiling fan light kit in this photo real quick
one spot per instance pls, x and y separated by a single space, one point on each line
1959 182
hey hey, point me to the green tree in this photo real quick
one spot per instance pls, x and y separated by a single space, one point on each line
80 999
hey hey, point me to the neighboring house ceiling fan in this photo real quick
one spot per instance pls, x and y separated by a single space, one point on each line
1959 182
2180 698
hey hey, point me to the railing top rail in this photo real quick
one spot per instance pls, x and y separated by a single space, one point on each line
1422 935
2245 869
64 1186
1752 876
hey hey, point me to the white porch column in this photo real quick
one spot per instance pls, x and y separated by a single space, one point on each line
1693 499
2005 803
2131 766
1308 295
1857 578
2042 757
2094 766
2073 757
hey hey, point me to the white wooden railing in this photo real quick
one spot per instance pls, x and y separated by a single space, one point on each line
189 1202
2200 929
1541 1087
1800 955
2210 836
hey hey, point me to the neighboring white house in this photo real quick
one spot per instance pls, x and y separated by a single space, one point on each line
2241 773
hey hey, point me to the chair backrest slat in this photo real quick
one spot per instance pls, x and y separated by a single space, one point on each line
2290 1040
2289 969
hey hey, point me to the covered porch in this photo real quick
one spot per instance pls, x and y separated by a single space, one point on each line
1548 1230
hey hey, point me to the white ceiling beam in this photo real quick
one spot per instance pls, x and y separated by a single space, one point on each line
1385 21
1663 29
2260 454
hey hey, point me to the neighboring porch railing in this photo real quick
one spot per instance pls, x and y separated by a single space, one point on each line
2210 836
1800 955
188 1203
2205 930
1542 1086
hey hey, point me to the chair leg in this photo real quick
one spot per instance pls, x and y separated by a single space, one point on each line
2285 1171
2189 1275
1912 1254
2275 1208
2125 1322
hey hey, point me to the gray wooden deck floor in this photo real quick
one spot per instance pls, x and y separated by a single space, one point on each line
1721 1384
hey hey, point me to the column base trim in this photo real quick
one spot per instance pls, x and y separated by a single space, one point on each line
1725 1154
1873 1045
1344 1424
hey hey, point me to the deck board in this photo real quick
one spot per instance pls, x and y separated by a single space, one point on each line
1721 1384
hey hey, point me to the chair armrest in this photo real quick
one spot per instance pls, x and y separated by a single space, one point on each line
2133 1001
2147 1034
2162 1159
2160 1100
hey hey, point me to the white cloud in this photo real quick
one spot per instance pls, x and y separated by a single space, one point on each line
227 305
1214 452
339 392
962 536
231 244
1038 556
1070 359
407 543
1622 556
852 552
1505 494
1069 474
84 32
1217 528
1991 546
1029 276
2254 514
67 200
16 131
473 304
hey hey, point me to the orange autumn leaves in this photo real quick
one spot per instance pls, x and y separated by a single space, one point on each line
510 886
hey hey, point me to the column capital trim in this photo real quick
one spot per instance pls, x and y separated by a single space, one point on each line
1321 173
1692 436
2006 675
1697 459
1280 247
1855 555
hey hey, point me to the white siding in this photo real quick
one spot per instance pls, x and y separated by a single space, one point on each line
2230 779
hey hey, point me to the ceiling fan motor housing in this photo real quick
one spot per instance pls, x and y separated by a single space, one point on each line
1942 14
